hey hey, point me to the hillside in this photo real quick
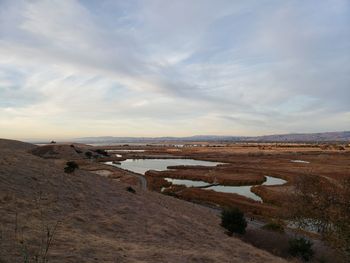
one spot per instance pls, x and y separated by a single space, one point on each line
15 145
63 151
99 221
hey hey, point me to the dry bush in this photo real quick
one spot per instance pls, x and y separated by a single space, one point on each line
156 183
228 200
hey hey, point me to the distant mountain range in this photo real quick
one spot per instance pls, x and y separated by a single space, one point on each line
292 137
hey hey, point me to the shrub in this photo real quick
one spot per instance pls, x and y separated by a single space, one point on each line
131 190
301 247
71 166
88 155
102 152
233 220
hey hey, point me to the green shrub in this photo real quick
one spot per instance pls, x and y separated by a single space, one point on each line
70 167
301 247
233 220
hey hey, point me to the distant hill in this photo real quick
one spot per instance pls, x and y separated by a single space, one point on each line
111 139
343 136
306 137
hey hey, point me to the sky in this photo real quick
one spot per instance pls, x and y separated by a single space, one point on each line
72 68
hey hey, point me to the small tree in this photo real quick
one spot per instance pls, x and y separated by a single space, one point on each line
301 247
233 220
71 166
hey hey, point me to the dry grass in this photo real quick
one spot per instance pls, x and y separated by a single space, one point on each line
221 175
102 222
227 200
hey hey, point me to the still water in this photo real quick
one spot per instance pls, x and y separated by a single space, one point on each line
141 166
241 190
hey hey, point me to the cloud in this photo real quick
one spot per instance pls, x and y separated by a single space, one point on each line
154 67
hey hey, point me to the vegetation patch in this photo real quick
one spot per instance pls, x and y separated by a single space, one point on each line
88 155
324 205
301 247
233 220
131 190
70 167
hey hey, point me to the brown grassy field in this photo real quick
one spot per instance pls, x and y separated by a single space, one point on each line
99 221
243 165
248 164
222 175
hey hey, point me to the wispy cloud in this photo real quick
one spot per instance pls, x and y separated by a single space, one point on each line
79 68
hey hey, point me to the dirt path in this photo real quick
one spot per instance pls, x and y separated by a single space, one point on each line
140 177
143 181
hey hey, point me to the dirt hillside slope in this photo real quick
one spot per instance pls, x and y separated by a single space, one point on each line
15 145
57 151
99 221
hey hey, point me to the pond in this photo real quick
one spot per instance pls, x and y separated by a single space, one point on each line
188 183
241 190
141 166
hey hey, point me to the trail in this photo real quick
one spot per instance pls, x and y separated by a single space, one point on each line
142 178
